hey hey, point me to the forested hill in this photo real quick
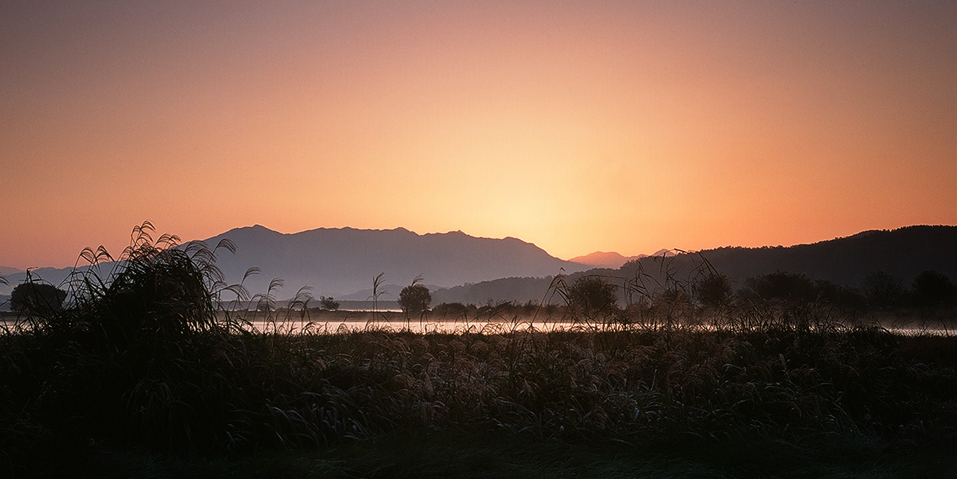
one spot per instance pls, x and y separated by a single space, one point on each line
903 253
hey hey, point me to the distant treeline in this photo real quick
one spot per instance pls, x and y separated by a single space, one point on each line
870 269
312 304
879 292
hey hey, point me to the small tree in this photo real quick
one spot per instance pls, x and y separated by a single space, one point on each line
33 297
328 304
415 299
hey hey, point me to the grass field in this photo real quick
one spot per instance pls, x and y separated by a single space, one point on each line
386 404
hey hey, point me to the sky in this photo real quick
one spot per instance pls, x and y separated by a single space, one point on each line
578 126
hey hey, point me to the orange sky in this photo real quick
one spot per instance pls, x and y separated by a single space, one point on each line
579 126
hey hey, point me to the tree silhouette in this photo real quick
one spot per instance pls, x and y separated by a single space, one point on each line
328 304
934 290
33 297
414 299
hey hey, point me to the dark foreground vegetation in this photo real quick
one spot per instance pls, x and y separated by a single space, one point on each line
138 376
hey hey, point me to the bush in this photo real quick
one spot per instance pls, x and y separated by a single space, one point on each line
592 296
714 290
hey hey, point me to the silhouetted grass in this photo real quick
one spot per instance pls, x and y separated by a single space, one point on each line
140 366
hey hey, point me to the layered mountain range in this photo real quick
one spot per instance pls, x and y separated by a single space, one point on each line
342 262
902 253
612 259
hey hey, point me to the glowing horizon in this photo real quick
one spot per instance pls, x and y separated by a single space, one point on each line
624 126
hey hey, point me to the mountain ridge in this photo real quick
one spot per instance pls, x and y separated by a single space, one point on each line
344 261
902 253
358 255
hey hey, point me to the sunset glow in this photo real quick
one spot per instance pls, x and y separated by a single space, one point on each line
613 126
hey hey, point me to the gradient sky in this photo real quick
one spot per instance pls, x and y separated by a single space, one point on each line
578 126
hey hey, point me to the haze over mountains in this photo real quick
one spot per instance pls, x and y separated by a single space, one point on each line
342 262
6 270
603 259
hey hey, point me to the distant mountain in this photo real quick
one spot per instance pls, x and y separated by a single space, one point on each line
602 259
6 270
342 261
903 253
458 267
54 276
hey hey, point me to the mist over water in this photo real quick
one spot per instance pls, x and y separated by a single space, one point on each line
393 321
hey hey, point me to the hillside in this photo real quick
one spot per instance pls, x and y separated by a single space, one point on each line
903 253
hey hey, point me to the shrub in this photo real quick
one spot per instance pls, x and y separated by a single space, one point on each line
934 290
714 290
592 296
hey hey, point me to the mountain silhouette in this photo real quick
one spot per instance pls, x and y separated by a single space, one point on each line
604 259
902 253
343 261
612 259
6 270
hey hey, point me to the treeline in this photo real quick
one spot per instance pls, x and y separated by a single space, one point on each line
902 253
908 267
879 291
